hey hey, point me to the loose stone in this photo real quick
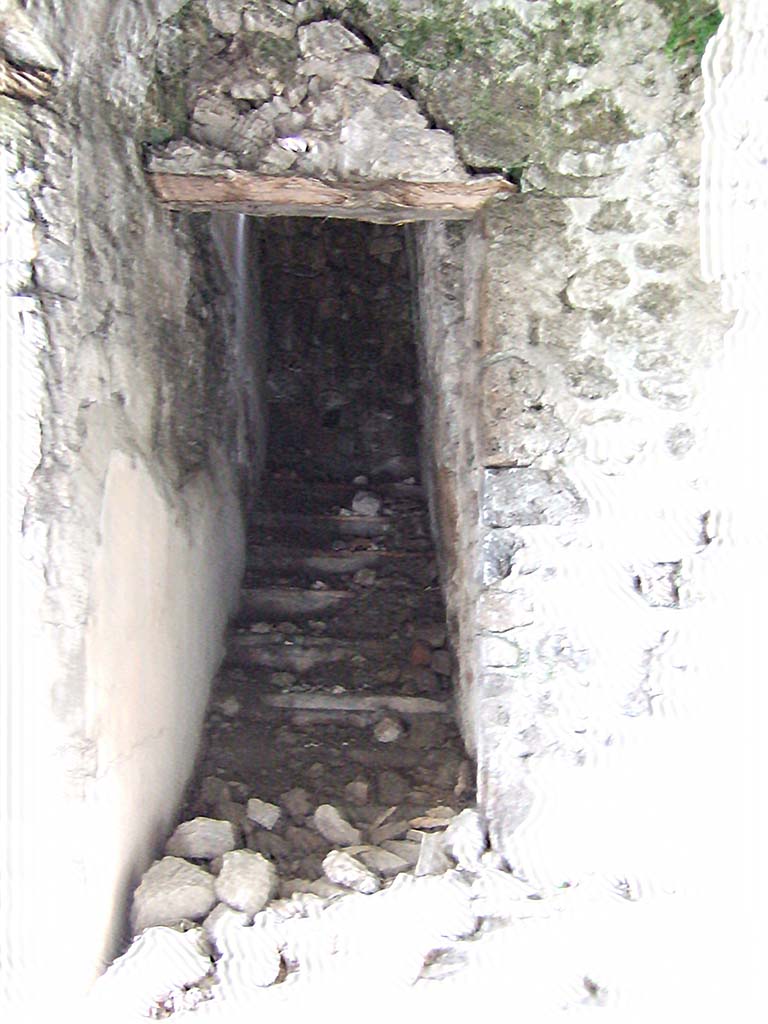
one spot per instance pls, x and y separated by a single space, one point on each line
366 504
383 862
171 890
341 868
391 830
388 729
405 850
466 839
202 838
433 859
247 881
296 802
265 814
329 823
357 792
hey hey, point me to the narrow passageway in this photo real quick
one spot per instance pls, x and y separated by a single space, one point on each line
336 688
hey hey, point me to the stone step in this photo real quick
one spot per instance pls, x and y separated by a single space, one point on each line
274 604
350 702
326 562
294 494
303 527
304 653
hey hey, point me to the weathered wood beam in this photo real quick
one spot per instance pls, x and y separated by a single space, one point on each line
382 201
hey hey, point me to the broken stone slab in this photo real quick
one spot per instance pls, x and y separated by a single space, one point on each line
390 830
265 814
354 702
343 69
343 869
202 838
432 859
382 862
276 603
330 824
435 818
404 849
466 839
172 890
247 881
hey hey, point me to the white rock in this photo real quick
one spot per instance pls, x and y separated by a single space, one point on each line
170 891
330 824
264 814
202 838
388 729
341 868
247 881
433 859
466 839
366 504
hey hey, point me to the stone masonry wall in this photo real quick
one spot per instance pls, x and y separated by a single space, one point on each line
126 538
575 437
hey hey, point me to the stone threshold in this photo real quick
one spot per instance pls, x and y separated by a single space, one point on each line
386 202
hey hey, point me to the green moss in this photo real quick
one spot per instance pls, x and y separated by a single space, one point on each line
691 25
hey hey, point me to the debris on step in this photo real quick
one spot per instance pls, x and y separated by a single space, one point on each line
343 869
333 827
202 839
171 890
265 814
247 881
388 729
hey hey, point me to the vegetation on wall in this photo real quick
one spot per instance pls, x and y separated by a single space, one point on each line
692 24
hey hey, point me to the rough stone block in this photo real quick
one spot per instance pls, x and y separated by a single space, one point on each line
327 39
202 838
529 497
466 839
594 287
330 824
247 881
265 814
343 869
170 891
432 859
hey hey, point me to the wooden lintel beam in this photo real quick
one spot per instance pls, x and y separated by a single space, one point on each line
269 196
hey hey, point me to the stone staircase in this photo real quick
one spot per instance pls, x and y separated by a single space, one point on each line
336 686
